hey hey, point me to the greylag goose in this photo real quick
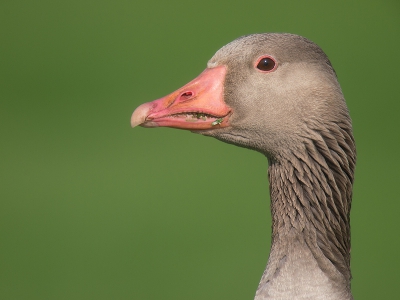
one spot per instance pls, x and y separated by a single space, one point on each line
278 94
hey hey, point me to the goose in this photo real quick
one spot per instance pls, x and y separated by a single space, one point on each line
278 94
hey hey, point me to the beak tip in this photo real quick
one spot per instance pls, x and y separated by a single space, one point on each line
140 114
135 123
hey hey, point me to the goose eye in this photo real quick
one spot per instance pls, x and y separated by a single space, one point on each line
266 64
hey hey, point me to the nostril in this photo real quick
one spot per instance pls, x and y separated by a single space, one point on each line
186 96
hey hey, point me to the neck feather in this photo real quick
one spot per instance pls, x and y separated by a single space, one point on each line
311 191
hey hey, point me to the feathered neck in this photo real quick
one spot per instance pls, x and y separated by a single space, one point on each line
311 191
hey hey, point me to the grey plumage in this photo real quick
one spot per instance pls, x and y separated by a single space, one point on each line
297 117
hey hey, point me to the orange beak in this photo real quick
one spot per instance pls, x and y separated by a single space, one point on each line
198 105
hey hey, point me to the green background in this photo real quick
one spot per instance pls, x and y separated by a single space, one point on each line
92 209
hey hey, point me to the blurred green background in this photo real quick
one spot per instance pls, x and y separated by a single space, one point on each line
92 209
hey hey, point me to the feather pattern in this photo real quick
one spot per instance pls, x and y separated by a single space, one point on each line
295 114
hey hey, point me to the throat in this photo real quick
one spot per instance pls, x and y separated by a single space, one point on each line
310 252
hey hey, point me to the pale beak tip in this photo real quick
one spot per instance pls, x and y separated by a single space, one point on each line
140 114
135 121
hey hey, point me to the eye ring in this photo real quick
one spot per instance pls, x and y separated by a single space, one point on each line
266 64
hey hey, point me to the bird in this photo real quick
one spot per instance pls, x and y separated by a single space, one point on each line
278 94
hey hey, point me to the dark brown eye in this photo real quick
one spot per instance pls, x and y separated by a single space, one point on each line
266 64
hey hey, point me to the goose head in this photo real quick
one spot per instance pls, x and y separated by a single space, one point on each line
260 91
